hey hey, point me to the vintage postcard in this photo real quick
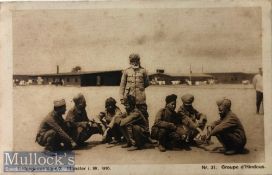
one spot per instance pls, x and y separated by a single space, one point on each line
136 87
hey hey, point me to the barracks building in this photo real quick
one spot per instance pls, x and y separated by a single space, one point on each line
113 78
95 78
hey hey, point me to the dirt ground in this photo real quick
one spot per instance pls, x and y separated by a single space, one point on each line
32 103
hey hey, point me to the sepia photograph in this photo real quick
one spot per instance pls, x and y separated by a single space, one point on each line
148 84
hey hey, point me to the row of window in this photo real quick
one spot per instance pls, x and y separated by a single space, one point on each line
57 79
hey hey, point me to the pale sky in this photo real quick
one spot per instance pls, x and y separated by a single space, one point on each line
220 39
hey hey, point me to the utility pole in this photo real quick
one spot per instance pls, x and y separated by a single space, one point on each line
190 73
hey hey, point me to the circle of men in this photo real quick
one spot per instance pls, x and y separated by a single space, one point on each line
182 129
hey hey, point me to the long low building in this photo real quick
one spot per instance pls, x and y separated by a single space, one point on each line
113 78
91 78
168 79
232 77
219 77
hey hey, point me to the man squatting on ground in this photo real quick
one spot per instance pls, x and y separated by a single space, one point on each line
54 132
134 125
79 123
167 128
228 129
108 119
193 121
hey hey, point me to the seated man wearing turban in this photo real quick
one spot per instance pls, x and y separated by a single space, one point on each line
80 126
108 119
193 121
228 129
53 133
166 126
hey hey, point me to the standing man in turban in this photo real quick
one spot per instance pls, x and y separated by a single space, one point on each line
80 126
193 120
53 133
108 119
134 81
166 126
228 129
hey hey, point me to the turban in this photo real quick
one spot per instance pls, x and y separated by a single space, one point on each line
187 99
170 98
78 98
110 101
134 57
59 103
224 101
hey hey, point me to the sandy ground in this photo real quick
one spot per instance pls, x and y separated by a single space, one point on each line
32 103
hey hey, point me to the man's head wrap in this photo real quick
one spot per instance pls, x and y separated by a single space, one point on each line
59 103
170 98
224 101
134 57
187 99
79 98
110 101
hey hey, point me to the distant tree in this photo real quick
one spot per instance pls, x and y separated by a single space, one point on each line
76 69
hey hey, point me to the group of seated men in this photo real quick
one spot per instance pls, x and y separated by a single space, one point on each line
171 129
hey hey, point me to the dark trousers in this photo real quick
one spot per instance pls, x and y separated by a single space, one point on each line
259 100
143 109
135 135
114 132
231 141
53 142
127 133
169 138
83 131
140 135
